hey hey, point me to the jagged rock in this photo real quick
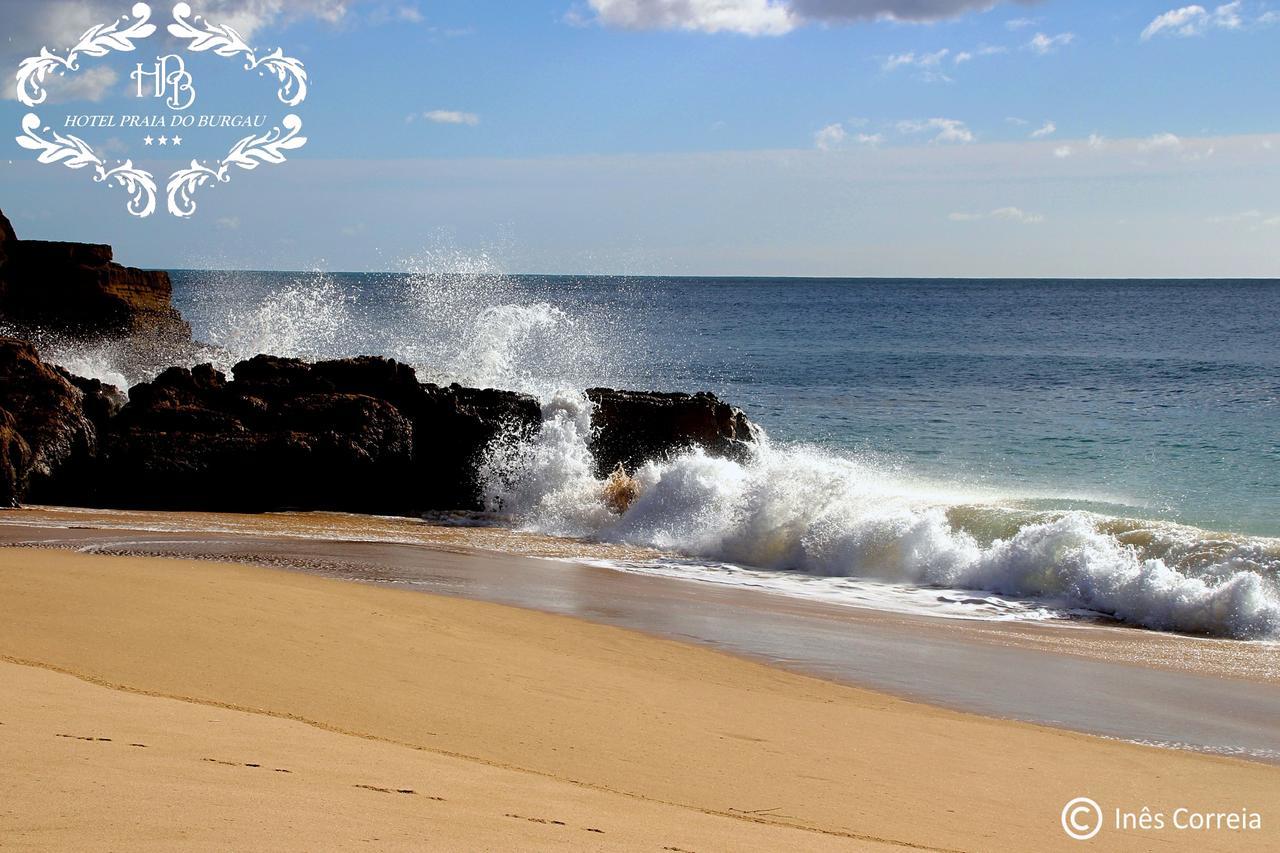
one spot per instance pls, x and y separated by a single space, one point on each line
102 402
47 412
359 435
192 440
634 427
15 461
75 290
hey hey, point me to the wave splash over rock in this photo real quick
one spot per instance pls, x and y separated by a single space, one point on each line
798 509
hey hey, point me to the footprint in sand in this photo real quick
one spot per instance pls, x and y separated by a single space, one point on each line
538 820
381 790
88 739
242 764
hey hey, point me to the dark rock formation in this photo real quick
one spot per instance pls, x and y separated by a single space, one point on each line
47 437
359 435
634 427
74 289
15 461
6 230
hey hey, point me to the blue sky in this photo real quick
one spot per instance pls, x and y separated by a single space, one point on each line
804 137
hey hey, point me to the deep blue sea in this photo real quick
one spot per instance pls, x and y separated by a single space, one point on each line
987 449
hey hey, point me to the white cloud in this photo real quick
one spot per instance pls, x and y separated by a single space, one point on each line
1043 44
1171 146
409 14
383 12
831 136
949 129
923 60
1062 152
228 223
1097 142
770 17
90 84
1161 142
57 24
834 136
1046 129
747 17
1008 214
1196 20
1020 23
929 63
452 117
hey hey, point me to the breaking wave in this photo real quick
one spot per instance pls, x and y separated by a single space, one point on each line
805 511
453 317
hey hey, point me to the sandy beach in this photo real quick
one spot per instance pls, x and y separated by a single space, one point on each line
149 703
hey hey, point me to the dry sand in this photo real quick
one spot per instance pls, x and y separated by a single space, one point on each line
534 731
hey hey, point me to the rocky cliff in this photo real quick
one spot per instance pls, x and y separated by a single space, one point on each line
76 290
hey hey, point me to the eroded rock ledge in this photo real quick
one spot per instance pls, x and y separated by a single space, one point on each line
76 290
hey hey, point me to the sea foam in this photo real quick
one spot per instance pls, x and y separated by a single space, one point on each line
797 509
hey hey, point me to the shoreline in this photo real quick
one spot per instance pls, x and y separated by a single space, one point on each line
634 723
1216 696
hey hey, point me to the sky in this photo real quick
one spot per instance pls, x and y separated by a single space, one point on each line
965 138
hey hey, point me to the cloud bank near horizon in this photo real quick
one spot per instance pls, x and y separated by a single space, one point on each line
776 17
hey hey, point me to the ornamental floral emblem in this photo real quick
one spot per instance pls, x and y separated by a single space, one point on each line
169 80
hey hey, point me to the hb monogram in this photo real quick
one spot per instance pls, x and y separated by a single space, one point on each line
170 79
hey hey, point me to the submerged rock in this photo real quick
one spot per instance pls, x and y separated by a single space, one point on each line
631 428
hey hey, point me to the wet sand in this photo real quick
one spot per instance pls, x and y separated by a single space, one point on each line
156 703
1217 696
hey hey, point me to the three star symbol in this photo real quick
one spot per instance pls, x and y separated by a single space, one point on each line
164 140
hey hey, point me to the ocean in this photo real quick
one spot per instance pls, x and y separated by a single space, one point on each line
976 449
